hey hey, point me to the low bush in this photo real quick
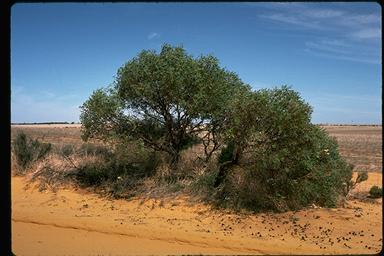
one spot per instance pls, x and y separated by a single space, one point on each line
118 171
92 174
289 178
28 151
283 162
375 192
49 176
204 183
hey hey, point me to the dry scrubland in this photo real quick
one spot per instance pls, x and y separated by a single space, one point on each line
359 145
72 221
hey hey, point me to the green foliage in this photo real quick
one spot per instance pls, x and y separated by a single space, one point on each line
274 157
226 153
163 99
286 162
99 114
28 151
205 182
375 192
119 171
92 174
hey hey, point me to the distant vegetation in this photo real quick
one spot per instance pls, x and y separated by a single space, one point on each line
188 124
338 124
43 123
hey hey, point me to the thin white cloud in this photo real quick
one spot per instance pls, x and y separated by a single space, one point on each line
360 19
316 16
343 50
323 13
335 31
153 35
291 20
368 33
363 59
324 46
334 42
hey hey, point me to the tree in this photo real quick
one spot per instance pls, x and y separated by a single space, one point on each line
165 100
271 155
286 161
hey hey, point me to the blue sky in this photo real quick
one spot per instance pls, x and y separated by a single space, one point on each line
329 52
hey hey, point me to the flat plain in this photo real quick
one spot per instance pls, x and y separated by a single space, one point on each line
72 221
359 145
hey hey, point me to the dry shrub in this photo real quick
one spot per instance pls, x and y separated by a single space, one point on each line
27 151
52 172
119 172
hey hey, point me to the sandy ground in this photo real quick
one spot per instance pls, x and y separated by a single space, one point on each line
75 222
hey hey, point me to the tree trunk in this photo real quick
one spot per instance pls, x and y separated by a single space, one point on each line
224 167
236 154
175 157
223 171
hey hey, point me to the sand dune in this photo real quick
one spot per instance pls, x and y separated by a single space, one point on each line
75 222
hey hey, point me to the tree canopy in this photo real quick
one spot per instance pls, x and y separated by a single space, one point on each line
164 99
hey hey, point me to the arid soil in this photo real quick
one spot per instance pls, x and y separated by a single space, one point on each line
72 221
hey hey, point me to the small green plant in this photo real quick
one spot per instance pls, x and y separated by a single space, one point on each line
375 192
28 151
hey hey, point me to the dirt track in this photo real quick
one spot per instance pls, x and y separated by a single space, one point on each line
73 222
